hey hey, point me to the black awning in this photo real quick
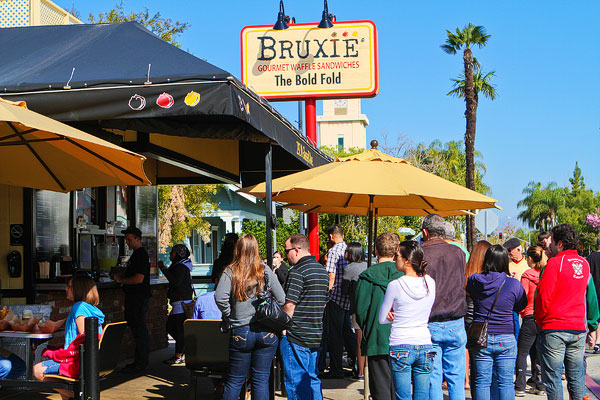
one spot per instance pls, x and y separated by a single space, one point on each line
111 89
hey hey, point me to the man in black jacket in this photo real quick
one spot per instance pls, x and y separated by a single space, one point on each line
446 265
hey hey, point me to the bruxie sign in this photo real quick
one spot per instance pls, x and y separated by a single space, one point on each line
306 61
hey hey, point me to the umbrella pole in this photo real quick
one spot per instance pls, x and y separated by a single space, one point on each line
376 219
269 204
370 232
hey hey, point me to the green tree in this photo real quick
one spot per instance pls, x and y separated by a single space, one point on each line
165 28
183 210
284 230
471 35
577 183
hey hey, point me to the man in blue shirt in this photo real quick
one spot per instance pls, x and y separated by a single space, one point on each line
206 307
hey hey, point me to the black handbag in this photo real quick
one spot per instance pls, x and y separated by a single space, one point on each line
477 334
268 311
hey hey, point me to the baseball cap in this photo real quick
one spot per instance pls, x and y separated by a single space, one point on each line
133 230
511 243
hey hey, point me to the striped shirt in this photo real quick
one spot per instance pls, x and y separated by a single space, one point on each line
336 263
307 286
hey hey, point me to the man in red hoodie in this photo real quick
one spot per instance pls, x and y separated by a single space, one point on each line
565 308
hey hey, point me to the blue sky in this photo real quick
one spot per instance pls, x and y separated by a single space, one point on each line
545 54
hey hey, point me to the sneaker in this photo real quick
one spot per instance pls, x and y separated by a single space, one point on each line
597 349
175 360
356 378
539 392
520 393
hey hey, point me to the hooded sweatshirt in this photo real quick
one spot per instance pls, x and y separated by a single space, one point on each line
566 298
512 298
530 280
370 291
411 299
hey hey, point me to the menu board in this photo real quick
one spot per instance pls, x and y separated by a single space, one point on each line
146 217
51 224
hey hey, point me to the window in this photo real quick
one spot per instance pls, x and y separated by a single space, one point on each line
340 107
340 143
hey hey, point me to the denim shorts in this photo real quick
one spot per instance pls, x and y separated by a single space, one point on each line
51 367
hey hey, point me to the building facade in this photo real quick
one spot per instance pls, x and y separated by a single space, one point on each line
342 125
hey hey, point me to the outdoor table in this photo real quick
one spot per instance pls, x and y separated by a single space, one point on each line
32 339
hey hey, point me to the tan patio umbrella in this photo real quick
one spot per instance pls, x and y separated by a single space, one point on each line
381 212
42 153
370 182
373 179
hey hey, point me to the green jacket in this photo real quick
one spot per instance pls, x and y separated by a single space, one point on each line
369 294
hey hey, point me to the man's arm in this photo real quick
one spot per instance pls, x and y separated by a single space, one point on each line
332 260
131 280
544 292
289 307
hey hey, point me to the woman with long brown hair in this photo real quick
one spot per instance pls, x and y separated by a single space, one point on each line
473 267
251 344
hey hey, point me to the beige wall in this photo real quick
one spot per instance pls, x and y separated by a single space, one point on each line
11 212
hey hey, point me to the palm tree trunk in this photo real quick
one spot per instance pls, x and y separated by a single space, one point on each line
471 117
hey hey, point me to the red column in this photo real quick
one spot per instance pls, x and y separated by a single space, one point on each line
311 134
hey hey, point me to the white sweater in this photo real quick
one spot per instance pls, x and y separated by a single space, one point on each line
411 299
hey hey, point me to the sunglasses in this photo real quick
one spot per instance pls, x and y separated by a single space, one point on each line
288 250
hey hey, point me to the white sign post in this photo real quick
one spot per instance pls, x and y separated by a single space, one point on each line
486 222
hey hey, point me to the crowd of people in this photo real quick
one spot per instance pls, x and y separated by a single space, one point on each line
425 316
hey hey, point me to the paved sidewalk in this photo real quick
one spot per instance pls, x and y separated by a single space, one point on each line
171 382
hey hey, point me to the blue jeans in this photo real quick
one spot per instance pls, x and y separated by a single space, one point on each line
554 349
301 371
411 365
497 359
449 339
11 367
250 347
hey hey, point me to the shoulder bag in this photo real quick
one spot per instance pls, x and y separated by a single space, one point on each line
268 311
477 334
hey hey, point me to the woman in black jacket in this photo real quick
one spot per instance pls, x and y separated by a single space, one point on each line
180 291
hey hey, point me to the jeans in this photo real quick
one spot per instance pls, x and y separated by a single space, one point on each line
526 345
136 310
411 366
301 371
498 357
250 347
556 348
339 333
11 367
449 339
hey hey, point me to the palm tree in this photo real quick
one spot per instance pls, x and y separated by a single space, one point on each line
481 83
541 204
471 35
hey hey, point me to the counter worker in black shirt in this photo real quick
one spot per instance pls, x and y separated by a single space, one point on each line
307 291
136 285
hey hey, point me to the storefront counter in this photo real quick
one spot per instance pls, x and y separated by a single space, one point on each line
112 301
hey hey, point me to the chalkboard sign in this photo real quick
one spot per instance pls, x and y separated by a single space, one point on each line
146 216
51 224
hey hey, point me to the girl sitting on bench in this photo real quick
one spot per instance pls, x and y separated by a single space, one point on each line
83 291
